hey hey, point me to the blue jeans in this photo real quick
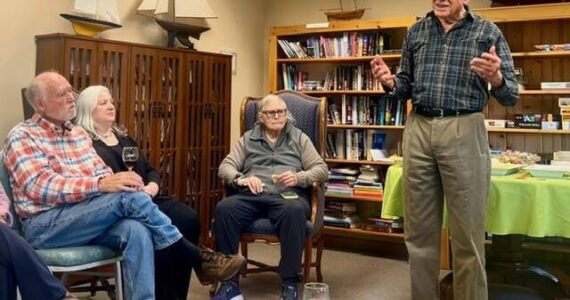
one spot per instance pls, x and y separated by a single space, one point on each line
129 222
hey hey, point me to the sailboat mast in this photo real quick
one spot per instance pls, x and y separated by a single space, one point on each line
171 11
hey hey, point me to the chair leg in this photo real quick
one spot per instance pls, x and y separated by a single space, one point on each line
320 247
308 259
118 281
243 271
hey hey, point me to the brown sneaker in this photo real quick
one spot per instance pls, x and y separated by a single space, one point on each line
218 267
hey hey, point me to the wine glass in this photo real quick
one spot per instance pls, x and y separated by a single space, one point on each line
130 156
316 291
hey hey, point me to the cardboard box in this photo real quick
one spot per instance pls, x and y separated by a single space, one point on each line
532 121
495 123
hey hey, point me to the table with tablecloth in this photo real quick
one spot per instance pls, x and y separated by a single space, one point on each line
518 204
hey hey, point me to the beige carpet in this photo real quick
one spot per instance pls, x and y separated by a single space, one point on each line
349 275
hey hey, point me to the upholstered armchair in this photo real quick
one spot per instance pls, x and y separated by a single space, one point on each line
310 114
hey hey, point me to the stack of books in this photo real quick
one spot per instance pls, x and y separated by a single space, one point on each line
368 183
340 182
385 225
342 214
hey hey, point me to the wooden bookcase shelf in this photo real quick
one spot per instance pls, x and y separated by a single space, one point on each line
383 127
348 54
524 27
349 232
364 59
534 131
355 162
355 198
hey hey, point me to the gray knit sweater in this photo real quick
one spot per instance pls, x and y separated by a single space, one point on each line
254 155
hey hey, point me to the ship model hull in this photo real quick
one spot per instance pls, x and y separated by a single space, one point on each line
345 15
88 26
181 32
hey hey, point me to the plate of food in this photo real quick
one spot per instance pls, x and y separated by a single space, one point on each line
547 171
502 169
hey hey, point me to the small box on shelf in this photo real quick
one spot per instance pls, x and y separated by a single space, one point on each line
531 121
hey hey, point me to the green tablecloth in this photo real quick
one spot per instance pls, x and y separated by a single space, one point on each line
518 204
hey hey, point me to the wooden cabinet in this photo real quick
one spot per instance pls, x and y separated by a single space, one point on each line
333 62
524 27
174 102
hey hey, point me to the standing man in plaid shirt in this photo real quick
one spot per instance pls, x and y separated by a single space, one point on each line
66 195
450 57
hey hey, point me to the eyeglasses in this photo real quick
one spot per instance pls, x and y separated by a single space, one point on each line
274 113
69 91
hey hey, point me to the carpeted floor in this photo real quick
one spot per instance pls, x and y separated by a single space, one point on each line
349 275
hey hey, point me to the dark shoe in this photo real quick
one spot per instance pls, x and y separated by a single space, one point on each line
228 291
289 291
218 267
69 296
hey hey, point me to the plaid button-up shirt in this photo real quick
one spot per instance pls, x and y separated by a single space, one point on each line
435 64
51 165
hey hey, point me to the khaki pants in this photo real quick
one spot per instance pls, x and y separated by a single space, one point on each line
446 157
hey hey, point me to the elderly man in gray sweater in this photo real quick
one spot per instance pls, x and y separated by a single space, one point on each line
271 165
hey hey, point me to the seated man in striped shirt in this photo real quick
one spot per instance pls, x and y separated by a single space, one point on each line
66 195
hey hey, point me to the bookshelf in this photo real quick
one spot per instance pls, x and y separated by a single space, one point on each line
524 27
338 57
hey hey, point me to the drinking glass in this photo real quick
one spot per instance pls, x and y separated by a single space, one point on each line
316 291
130 156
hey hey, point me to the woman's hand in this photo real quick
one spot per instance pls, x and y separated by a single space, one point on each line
151 189
288 179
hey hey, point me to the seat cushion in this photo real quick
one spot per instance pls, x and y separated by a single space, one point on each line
74 256
264 226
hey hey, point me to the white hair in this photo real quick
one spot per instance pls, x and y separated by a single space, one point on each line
86 103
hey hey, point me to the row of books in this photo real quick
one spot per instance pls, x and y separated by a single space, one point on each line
350 44
352 78
344 214
341 214
347 182
366 110
354 144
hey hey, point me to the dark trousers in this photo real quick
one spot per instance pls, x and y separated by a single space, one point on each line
20 266
172 267
235 213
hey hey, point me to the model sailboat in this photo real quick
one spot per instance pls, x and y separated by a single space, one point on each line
341 14
180 18
89 17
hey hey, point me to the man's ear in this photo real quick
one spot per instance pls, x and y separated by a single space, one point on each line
39 105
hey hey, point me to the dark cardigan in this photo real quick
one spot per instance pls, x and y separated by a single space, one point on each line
114 159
